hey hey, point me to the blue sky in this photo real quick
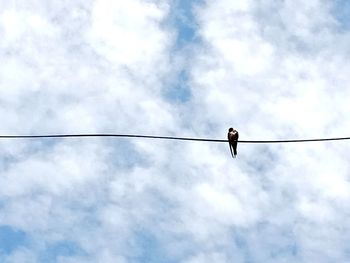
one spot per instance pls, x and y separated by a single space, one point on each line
272 70
341 12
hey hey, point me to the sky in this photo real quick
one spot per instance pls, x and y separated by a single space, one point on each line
274 69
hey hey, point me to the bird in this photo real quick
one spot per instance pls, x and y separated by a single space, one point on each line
232 137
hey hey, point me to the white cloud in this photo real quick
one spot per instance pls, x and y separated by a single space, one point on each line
73 67
128 33
272 70
264 76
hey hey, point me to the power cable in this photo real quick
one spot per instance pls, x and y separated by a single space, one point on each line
164 138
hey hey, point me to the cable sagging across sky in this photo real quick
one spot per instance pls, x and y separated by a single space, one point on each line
165 138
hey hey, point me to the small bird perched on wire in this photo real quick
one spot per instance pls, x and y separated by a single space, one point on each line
232 137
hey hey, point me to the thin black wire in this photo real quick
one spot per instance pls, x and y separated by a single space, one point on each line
164 138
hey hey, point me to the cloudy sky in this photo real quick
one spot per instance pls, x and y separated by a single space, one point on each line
274 69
